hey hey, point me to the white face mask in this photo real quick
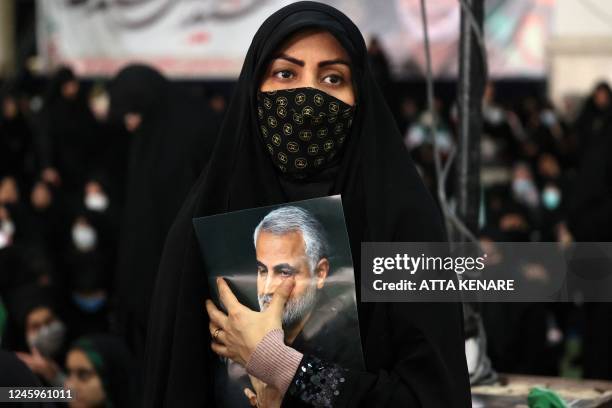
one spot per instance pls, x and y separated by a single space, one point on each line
49 339
525 191
7 230
493 115
96 202
488 148
4 240
84 237
548 117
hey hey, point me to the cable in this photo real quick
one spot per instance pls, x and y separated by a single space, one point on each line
441 174
430 107
467 10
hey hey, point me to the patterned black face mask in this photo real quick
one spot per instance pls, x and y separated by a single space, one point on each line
303 129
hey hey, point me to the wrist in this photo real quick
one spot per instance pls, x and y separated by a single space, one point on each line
273 362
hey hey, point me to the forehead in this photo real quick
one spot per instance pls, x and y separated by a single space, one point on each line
271 246
78 359
313 44
39 313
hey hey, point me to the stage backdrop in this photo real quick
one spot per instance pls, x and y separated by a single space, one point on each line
209 38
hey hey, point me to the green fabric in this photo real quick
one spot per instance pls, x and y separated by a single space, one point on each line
92 354
96 360
544 398
3 318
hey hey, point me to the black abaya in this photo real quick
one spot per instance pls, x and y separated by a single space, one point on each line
414 353
14 374
590 220
69 139
167 153
15 145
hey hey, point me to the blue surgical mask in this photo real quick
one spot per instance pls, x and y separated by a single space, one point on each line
526 192
89 304
551 198
522 186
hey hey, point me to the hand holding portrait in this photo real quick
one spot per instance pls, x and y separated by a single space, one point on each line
236 334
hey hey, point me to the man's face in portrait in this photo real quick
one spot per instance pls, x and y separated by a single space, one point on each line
283 256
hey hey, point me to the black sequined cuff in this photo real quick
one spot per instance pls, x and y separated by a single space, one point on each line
317 383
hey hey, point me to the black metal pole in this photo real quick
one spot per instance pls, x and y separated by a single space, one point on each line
469 95
472 78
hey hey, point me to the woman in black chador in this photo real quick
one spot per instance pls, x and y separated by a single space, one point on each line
306 120
69 140
170 144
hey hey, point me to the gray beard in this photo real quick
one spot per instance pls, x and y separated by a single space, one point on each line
295 309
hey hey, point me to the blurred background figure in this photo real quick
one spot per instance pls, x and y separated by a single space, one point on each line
16 141
69 140
381 69
40 334
171 136
16 374
590 219
99 372
593 121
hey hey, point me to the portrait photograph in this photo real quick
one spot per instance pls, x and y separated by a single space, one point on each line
255 249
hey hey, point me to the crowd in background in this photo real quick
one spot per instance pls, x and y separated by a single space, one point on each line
90 181
544 177
88 190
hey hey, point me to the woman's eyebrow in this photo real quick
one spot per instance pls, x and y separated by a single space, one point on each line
290 59
333 62
320 64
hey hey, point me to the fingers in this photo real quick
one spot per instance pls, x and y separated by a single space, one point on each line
22 356
277 305
226 295
217 317
220 349
215 333
25 357
251 396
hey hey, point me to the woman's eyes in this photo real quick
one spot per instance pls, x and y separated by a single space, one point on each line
284 74
83 374
332 79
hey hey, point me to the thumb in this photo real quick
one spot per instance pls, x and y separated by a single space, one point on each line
281 294
251 396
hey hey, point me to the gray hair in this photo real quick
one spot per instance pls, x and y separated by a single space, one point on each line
288 219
